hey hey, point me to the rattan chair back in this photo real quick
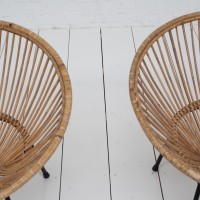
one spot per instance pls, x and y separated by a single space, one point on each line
35 104
165 91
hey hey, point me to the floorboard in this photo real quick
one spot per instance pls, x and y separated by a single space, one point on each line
85 164
131 154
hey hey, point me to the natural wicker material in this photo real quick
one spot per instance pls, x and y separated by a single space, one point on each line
165 91
35 105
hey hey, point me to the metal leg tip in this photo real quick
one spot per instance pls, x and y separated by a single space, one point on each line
46 175
155 168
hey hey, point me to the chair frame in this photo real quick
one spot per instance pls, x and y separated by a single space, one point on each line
66 92
135 99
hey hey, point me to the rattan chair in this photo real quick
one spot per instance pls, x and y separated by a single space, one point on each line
164 87
35 105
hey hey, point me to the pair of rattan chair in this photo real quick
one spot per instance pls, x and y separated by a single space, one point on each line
35 99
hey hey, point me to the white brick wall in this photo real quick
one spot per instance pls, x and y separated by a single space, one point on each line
93 13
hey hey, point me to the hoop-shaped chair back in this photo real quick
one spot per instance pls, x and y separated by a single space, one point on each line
35 104
165 91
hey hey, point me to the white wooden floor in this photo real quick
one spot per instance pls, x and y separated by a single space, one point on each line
105 155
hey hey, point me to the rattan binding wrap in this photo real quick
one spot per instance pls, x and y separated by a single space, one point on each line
164 87
35 105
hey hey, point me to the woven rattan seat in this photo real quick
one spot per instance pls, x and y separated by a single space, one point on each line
35 105
165 92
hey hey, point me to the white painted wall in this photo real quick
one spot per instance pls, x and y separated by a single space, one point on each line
47 14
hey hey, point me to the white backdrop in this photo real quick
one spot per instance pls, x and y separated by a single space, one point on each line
48 14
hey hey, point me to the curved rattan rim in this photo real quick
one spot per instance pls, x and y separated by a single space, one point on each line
136 101
67 103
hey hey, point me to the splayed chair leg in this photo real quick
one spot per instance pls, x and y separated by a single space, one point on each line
197 192
156 166
45 173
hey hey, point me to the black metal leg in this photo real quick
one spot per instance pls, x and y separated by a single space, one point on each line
7 198
197 192
156 166
45 173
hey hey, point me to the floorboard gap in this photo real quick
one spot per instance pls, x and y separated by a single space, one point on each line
158 174
106 121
